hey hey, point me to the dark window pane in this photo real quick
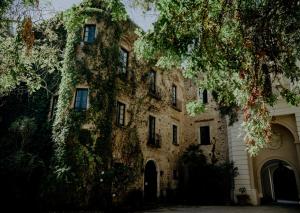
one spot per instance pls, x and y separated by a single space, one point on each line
174 95
89 33
152 81
120 114
205 99
174 134
81 99
151 129
204 135
123 61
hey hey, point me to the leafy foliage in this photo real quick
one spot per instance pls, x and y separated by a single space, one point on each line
79 164
26 146
238 49
204 182
23 66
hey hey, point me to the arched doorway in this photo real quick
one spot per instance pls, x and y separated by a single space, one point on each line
150 182
278 182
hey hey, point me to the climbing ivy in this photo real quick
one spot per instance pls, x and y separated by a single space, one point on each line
84 162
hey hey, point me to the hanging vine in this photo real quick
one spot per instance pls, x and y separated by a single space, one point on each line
79 158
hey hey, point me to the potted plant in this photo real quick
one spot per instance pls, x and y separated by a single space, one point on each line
243 197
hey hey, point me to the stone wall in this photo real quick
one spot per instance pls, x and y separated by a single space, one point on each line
287 117
132 90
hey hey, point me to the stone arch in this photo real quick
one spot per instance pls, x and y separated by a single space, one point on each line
289 128
269 189
287 152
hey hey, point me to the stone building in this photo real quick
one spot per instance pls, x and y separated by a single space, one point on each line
151 129
150 123
273 175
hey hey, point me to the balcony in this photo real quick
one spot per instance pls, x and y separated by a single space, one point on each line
176 104
155 92
154 142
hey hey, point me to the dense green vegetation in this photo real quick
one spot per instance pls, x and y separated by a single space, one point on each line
237 49
26 146
203 180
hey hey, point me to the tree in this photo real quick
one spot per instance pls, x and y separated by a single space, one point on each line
25 128
238 49
24 59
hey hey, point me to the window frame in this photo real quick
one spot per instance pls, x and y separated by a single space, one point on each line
152 81
118 117
75 100
121 69
151 129
174 95
174 134
208 130
203 96
87 30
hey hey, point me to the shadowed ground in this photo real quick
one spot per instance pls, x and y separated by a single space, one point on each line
229 209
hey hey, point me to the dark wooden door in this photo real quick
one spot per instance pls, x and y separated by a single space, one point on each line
150 182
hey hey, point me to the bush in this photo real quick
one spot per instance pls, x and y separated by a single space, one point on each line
202 182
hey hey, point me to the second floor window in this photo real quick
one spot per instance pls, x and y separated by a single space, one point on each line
120 114
123 61
203 96
152 81
151 130
174 95
175 134
204 135
81 99
89 33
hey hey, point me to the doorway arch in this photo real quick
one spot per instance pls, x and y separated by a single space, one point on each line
150 182
278 182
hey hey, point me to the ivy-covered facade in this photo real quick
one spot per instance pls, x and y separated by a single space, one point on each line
121 124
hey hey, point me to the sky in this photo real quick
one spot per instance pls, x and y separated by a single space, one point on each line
143 20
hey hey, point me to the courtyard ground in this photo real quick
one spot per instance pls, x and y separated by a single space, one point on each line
227 209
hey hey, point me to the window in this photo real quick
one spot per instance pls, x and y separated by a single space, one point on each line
89 33
204 135
53 106
205 99
81 99
123 61
120 114
203 96
174 95
151 130
175 134
152 81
